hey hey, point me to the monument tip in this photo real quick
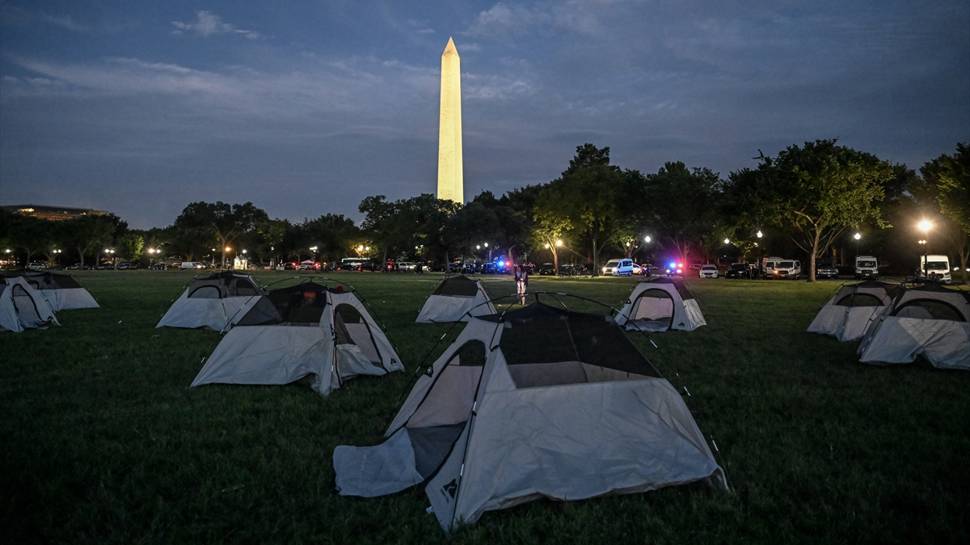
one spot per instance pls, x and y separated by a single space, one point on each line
450 47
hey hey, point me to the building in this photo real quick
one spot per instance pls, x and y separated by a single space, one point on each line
51 213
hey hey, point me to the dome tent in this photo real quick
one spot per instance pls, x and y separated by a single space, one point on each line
536 402
660 304
23 307
61 291
212 301
297 331
853 308
929 321
455 300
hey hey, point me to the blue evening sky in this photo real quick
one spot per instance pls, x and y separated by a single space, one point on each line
305 107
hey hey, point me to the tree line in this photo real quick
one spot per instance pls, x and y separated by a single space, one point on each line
807 201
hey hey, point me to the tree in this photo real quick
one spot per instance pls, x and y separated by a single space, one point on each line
550 227
590 198
88 234
819 190
200 223
684 206
131 245
948 177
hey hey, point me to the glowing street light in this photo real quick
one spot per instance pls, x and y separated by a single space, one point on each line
546 245
647 239
558 243
759 234
312 249
7 251
227 249
727 241
479 246
245 251
925 226
485 244
857 236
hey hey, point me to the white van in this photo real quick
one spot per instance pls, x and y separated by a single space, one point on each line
618 267
936 267
779 267
866 266
191 265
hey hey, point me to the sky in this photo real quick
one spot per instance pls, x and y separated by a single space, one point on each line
306 107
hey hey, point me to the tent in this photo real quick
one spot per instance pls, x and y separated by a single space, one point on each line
62 291
850 312
23 307
455 300
302 330
660 304
214 301
930 321
536 402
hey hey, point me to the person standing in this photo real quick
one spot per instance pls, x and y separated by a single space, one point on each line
521 282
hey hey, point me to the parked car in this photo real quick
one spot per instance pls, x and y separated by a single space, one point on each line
37 266
309 265
191 265
826 270
127 265
407 266
708 271
740 270
546 269
618 267
569 269
866 266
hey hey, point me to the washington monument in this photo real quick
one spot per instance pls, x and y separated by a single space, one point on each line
450 180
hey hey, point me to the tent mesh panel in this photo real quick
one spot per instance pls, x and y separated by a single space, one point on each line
543 334
929 309
457 285
859 300
678 285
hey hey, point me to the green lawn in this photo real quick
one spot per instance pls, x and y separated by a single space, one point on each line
103 441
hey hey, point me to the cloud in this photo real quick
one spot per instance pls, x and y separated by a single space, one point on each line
65 22
209 24
577 16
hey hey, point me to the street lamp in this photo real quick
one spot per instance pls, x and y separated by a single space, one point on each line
759 234
727 241
925 226
558 243
647 239
857 236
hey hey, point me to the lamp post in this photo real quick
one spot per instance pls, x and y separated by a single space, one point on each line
925 226
225 260
110 254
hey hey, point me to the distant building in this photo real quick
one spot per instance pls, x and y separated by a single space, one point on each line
51 213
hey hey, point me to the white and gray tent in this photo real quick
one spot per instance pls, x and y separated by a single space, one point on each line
854 307
23 307
929 321
660 304
214 301
62 291
299 331
539 402
456 299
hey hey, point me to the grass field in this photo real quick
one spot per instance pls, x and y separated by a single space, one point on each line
103 441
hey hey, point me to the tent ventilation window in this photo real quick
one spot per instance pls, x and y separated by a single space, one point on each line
859 300
929 309
206 292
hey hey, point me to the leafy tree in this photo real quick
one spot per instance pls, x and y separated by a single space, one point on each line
819 190
948 177
131 246
590 197
201 223
684 206
32 236
87 235
550 227
332 234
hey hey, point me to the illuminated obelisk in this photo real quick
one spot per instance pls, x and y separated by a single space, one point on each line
450 180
